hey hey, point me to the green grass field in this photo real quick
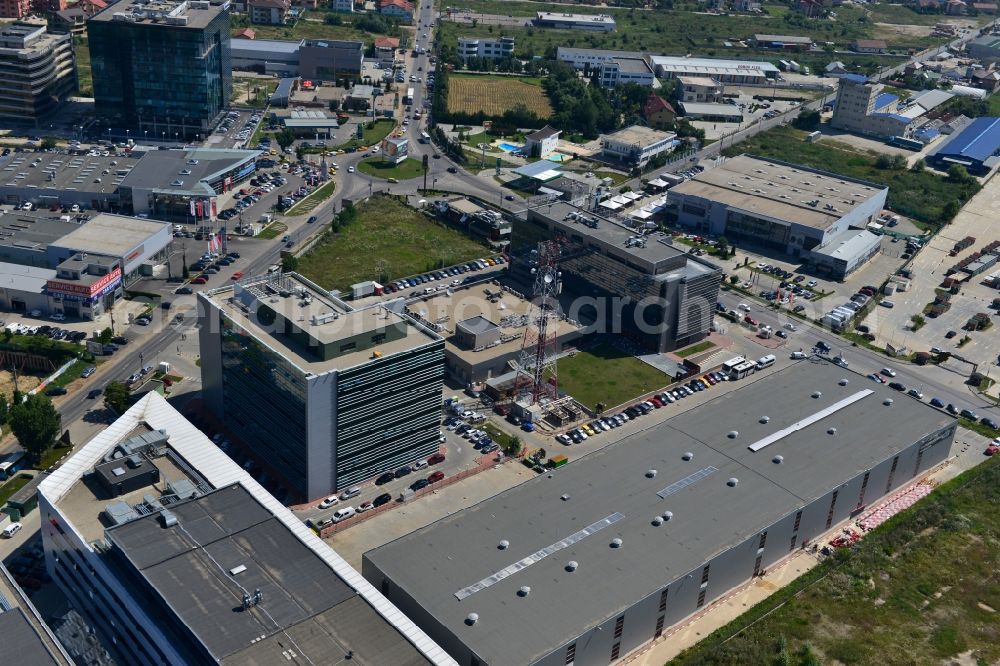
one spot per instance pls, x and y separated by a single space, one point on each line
696 348
921 196
303 29
83 73
605 374
390 235
920 589
314 199
372 135
379 168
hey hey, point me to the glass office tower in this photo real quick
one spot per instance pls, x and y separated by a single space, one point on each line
162 69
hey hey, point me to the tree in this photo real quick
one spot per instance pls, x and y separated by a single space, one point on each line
513 447
733 279
919 166
116 397
289 263
36 424
808 120
723 246
958 174
49 142
104 337
284 138
950 209
4 409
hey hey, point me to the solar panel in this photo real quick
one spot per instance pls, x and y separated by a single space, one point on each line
538 555
688 480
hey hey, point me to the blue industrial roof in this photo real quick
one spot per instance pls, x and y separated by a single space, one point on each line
884 100
980 140
856 78
925 134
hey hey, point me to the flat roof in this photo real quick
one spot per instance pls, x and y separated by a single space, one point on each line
708 109
562 17
63 171
610 488
992 41
173 14
24 632
711 65
326 329
471 304
33 230
849 244
706 81
193 168
633 65
18 277
788 39
313 597
601 53
108 234
639 135
779 190
654 252
260 47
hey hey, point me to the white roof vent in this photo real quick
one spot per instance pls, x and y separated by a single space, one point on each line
733 434
732 482
777 460
650 473
887 402
667 515
844 382
571 565
471 618
564 497
503 545
524 591
765 419
616 543
657 521
687 456
817 394
831 431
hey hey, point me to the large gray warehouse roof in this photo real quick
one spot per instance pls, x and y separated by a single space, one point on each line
113 235
160 169
611 491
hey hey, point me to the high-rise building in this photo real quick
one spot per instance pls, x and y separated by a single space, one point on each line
177 556
37 70
161 66
322 395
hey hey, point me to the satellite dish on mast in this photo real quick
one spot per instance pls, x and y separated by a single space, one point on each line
548 278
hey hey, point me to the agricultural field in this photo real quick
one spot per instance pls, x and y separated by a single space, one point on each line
493 95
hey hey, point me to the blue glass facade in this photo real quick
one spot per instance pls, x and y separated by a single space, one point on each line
161 79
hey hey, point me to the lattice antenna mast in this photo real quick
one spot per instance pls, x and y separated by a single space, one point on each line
537 375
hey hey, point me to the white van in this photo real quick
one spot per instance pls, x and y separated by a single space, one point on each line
343 514
11 530
765 361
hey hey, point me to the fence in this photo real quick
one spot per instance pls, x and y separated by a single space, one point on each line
482 464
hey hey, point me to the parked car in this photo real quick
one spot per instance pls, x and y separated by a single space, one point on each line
384 498
328 502
435 476
403 471
385 478
56 390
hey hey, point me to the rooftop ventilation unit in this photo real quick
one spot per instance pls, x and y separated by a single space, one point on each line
777 460
524 591
168 517
616 543
471 618
503 545
572 565
733 482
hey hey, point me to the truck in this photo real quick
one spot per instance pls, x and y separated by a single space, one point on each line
966 242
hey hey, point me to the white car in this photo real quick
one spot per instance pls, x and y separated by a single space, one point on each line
798 355
744 307
888 372
791 327
350 169
420 464
328 502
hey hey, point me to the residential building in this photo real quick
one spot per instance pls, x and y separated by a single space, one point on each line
244 33
15 9
836 69
72 20
37 71
161 66
620 71
342 5
634 539
589 22
777 206
641 287
985 79
747 6
385 51
176 555
330 59
323 396
813 8
590 60
635 146
869 46
268 12
658 112
496 48
723 71
863 108
699 89
542 143
975 147
400 9
783 42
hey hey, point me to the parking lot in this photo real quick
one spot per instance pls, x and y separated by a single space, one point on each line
754 110
234 130
928 267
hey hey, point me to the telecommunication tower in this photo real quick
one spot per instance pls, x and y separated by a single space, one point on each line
537 378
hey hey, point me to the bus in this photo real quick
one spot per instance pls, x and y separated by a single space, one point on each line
425 137
728 366
409 96
742 370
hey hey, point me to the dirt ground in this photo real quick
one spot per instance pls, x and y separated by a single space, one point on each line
889 30
25 383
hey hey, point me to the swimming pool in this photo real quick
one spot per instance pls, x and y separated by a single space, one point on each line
509 147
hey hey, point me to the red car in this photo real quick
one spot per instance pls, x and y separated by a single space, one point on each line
435 477
991 450
237 275
656 402
750 320
201 279
435 459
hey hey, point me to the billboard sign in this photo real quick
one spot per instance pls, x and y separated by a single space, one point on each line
395 149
